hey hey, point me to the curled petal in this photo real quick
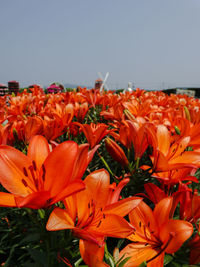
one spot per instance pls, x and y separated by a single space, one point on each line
59 220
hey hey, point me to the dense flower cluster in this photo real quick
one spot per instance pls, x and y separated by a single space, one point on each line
59 162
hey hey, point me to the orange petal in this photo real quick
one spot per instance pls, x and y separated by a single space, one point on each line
71 189
38 150
36 200
7 200
112 225
176 230
154 193
59 166
92 254
87 236
138 253
142 216
82 160
70 206
162 210
158 261
179 147
12 162
160 162
115 193
59 219
188 158
122 207
98 186
163 138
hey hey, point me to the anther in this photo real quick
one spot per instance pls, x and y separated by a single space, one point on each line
44 172
34 165
24 182
25 172
98 224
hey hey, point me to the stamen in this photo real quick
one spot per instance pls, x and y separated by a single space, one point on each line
91 214
140 224
44 172
163 249
34 165
25 172
25 183
99 224
104 216
35 180
32 172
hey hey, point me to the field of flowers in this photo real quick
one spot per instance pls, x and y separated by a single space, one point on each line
99 179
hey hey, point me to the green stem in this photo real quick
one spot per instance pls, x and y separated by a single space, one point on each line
106 164
137 163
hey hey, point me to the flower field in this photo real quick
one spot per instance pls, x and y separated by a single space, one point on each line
92 178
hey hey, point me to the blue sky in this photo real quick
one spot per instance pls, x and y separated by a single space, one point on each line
152 43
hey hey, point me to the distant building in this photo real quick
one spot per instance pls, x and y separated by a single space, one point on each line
55 88
98 84
13 87
3 89
190 91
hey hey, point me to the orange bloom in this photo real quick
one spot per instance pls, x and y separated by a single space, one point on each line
92 254
42 178
94 133
34 126
195 248
89 214
167 156
116 151
155 234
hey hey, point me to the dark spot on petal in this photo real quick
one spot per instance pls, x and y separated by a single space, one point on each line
99 224
34 165
25 172
24 182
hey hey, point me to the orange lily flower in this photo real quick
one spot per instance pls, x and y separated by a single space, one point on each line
116 151
94 133
42 178
167 156
195 248
64 114
155 234
92 254
34 126
90 216
173 177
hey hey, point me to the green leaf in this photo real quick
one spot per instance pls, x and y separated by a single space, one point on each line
167 259
143 264
121 264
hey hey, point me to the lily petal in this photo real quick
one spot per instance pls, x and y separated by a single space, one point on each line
162 210
63 157
176 230
59 219
98 186
112 225
12 162
38 150
7 200
123 207
36 200
138 253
